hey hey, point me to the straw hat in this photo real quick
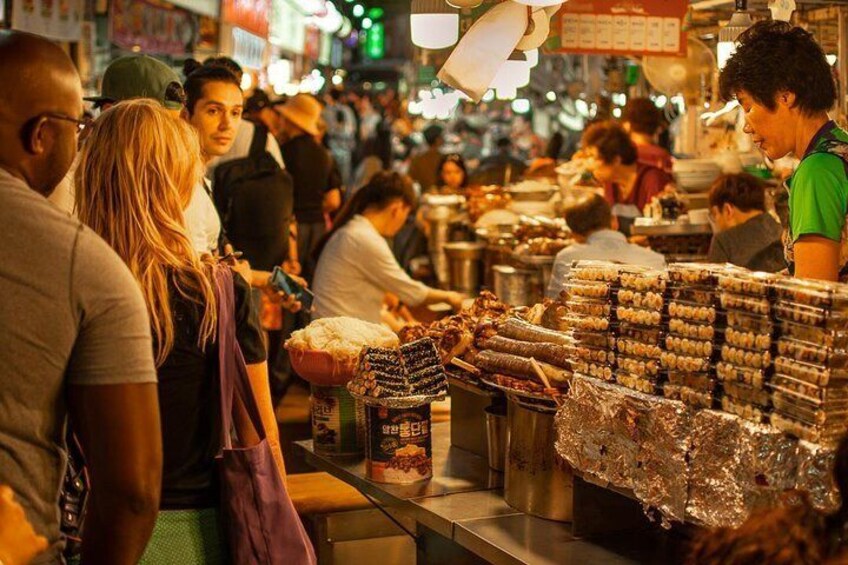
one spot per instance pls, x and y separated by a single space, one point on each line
304 111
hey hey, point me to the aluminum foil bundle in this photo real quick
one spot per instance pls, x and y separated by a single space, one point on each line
736 467
815 475
634 441
662 480
587 437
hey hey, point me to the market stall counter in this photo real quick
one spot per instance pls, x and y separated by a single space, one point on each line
461 516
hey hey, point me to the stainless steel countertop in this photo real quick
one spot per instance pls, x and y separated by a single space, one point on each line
454 471
463 502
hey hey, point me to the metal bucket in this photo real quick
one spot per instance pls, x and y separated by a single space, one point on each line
496 433
517 287
465 263
537 481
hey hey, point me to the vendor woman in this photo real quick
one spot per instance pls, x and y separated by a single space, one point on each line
782 80
629 184
356 267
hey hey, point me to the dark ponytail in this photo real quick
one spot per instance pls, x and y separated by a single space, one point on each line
383 189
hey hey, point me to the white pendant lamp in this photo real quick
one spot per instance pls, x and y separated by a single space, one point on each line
435 25
513 73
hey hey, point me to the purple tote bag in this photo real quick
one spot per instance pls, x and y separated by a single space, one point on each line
262 524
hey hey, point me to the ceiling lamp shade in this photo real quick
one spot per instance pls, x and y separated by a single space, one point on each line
465 3
514 73
727 36
434 24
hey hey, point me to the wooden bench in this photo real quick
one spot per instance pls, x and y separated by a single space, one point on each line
322 493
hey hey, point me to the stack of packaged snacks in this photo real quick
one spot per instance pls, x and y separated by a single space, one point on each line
810 384
589 298
745 361
695 331
641 329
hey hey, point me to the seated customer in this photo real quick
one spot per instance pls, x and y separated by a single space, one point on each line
746 235
595 231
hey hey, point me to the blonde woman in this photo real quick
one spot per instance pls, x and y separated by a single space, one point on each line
135 170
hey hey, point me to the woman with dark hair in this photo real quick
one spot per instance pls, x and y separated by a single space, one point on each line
629 184
643 121
781 78
356 267
452 175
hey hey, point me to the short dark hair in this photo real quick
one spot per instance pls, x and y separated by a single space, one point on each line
611 141
201 77
772 57
433 133
745 192
590 215
225 63
642 115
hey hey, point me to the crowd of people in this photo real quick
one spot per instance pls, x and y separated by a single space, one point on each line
119 229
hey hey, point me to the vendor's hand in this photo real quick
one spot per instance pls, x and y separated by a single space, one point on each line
391 301
19 543
292 266
455 299
290 303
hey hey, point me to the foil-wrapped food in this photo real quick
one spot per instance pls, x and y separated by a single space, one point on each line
635 441
736 467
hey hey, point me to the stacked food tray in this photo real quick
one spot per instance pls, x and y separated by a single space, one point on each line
745 361
810 384
695 331
589 297
642 326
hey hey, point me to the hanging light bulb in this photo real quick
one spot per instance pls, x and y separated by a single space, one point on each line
532 57
434 25
727 36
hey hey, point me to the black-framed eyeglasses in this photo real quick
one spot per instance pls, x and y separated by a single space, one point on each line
81 124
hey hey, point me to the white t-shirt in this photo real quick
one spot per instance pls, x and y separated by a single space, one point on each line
355 272
202 221
241 147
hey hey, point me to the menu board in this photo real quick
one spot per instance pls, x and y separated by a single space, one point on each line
620 27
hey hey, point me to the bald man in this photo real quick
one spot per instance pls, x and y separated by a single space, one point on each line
76 338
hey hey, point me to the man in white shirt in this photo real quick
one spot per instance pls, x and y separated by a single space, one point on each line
595 230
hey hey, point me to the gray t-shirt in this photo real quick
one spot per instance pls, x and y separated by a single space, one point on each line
71 314
755 244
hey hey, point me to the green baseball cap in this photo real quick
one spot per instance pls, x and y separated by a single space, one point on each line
140 76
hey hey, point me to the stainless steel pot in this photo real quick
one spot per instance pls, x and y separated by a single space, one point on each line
496 434
465 259
537 480
517 287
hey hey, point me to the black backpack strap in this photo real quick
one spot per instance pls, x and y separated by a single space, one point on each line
259 141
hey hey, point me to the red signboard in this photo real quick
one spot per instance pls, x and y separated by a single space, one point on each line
137 25
621 27
249 15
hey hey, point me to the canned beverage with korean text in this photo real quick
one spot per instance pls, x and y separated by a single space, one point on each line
338 422
399 444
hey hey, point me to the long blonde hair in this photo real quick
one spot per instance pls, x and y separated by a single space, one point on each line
137 170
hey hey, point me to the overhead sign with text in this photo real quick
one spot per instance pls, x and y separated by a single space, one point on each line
621 27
